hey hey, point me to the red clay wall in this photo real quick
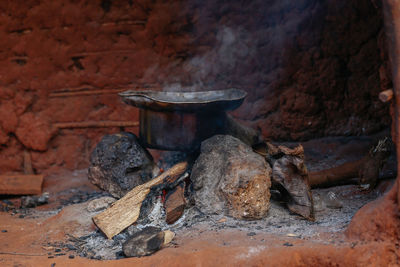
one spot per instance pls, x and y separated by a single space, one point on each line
311 68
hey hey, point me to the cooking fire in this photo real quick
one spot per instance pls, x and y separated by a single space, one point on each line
199 133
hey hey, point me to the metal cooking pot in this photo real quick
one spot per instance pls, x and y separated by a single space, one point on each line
181 120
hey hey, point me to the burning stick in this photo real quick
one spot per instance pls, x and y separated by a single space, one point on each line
126 211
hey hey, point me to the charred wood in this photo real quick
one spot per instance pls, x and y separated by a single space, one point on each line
126 211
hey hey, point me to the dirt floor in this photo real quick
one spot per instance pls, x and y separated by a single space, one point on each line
61 233
41 236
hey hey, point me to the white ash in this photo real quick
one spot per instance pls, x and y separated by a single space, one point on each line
279 221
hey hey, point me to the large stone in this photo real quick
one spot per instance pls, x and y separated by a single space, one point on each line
229 177
119 163
144 242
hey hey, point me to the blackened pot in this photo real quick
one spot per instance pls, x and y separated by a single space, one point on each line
182 120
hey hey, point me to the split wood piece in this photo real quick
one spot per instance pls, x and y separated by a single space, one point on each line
386 96
126 211
28 163
21 184
95 124
175 204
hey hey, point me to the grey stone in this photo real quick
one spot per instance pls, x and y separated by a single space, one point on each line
99 204
33 201
144 242
228 177
119 163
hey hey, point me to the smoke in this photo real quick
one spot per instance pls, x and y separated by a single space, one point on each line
233 54
231 47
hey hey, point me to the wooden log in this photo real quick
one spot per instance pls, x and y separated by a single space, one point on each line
21 184
386 96
95 124
175 204
365 169
335 175
126 211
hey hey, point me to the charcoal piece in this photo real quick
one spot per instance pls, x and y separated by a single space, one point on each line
228 177
119 163
144 242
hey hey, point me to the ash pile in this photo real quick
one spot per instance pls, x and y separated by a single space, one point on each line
228 182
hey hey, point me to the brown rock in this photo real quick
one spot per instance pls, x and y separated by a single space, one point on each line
228 176
290 177
378 220
35 132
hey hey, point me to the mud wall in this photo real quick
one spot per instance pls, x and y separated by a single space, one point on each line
311 68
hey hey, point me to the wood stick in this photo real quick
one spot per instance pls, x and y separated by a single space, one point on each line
126 211
95 124
386 96
21 184
335 175
27 162
86 92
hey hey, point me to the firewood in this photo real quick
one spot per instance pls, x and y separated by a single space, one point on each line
386 96
335 175
366 169
175 204
95 124
21 184
126 211
28 163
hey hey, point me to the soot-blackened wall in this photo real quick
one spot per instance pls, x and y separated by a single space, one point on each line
311 68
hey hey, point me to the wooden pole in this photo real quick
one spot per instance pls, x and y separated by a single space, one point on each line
28 162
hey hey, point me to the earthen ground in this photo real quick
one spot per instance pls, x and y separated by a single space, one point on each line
26 242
